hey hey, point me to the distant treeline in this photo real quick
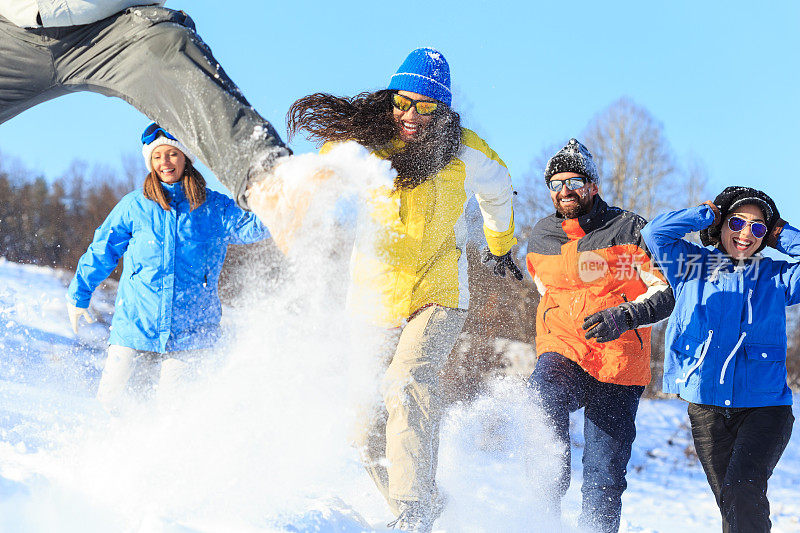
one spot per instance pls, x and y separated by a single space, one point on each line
51 222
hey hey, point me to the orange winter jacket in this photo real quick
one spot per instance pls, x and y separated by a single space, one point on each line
588 264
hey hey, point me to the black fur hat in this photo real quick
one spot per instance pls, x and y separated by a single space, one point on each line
574 157
737 196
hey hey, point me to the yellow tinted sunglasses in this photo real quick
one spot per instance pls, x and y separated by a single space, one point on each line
423 107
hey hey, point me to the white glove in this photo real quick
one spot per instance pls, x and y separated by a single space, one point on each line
75 313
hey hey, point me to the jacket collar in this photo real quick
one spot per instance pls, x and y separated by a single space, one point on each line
576 228
730 262
175 192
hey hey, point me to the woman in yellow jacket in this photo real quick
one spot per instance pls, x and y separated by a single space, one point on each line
410 276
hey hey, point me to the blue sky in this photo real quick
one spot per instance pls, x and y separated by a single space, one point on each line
721 77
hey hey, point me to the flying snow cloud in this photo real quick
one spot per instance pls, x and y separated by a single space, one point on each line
262 439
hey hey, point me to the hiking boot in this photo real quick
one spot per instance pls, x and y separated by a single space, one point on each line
414 517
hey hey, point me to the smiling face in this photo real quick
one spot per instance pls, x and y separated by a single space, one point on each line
742 244
573 203
410 124
168 162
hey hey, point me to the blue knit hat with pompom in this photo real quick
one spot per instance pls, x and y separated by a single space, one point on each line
425 71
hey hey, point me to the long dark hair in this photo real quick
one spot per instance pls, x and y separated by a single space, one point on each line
194 186
367 119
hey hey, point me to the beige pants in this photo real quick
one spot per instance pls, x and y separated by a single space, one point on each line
130 373
400 442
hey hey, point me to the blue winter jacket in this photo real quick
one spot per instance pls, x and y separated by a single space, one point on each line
167 298
726 338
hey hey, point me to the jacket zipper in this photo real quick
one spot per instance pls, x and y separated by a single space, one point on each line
544 315
749 307
641 342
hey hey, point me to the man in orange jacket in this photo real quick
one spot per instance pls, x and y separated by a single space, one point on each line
600 293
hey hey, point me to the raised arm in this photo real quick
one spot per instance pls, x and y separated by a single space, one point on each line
243 227
664 237
786 239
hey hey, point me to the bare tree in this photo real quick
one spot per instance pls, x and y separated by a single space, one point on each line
636 165
793 348
638 170
532 201
133 171
696 181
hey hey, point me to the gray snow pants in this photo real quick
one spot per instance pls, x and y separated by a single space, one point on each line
152 58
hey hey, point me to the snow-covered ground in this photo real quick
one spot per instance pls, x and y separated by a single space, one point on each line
260 442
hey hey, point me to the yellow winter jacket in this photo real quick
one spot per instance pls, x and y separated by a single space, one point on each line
410 247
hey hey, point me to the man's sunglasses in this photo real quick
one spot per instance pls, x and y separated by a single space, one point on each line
423 107
571 183
758 229
153 131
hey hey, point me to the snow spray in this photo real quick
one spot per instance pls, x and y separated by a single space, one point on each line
249 444
262 439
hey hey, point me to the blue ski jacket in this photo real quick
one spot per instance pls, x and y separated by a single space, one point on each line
726 337
167 299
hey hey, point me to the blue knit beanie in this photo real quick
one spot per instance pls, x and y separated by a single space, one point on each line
425 71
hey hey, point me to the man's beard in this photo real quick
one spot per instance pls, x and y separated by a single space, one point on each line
581 206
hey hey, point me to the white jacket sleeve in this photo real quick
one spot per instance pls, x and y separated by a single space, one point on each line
57 13
488 177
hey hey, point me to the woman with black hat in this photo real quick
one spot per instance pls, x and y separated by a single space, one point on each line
726 341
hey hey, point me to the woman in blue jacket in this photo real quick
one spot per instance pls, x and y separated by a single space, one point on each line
726 341
173 235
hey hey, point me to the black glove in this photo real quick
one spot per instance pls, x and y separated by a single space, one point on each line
608 324
501 263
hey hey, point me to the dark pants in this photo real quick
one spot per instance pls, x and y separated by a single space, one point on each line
562 386
152 58
739 449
